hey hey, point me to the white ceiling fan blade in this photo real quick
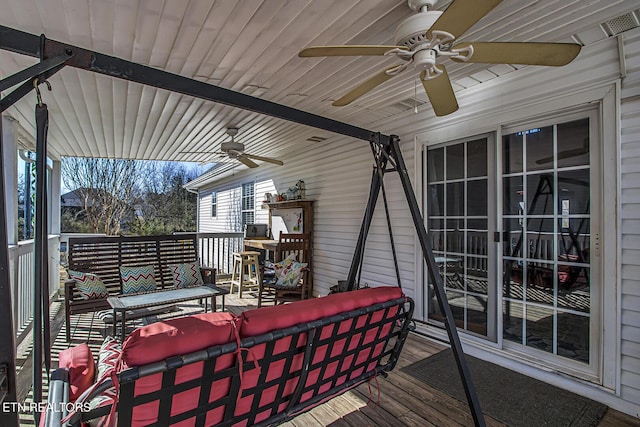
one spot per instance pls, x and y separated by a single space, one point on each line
440 92
242 159
264 159
354 50
553 54
364 87
462 15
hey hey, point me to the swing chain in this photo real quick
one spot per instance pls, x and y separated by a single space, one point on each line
37 89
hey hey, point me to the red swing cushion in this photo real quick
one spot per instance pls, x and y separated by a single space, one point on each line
79 362
175 337
266 319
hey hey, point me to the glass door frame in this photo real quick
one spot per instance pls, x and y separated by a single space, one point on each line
493 296
591 371
601 104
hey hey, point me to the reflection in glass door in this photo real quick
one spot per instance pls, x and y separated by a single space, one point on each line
546 239
459 204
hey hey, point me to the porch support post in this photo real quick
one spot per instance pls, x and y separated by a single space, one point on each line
10 163
7 339
438 285
55 186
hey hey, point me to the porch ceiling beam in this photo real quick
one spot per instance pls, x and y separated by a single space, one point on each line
29 44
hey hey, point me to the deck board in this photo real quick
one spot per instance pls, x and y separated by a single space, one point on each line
403 401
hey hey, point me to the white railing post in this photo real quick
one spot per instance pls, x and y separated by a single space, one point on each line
10 167
21 262
216 250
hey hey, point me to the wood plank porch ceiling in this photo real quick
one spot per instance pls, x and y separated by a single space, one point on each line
249 46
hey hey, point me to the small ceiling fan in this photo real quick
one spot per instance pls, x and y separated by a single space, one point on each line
235 151
426 39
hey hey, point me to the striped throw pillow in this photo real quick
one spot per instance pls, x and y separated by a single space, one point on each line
89 285
186 275
136 279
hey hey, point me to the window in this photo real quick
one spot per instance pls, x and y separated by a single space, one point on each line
248 204
214 204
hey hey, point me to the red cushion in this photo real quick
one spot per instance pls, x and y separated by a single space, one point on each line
263 320
82 368
175 337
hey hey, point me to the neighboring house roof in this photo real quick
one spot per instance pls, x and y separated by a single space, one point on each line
207 177
72 199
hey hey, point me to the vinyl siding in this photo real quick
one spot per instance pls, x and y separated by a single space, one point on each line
630 221
337 173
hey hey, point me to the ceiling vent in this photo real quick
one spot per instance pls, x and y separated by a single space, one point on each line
622 23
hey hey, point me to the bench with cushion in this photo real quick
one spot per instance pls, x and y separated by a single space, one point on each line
104 256
260 368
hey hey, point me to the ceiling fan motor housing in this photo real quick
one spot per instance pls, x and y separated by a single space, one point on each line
231 146
413 30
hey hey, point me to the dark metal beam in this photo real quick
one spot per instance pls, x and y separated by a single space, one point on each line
29 44
34 70
19 42
374 192
26 88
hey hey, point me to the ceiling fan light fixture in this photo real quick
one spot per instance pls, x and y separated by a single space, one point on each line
425 59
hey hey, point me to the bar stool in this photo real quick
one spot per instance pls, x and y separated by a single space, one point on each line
245 270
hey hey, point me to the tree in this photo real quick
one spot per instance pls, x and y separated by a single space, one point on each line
21 207
108 188
165 206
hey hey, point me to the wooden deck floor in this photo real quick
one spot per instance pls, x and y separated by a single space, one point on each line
403 400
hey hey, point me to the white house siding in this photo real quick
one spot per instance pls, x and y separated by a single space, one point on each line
590 80
337 174
630 221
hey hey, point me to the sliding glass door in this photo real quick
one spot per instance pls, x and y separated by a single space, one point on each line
514 231
459 204
546 179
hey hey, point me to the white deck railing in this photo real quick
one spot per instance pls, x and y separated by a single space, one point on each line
22 270
216 250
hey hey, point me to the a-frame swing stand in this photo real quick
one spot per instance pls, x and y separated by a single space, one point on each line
388 158
54 56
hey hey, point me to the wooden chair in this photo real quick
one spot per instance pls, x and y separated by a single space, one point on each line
288 244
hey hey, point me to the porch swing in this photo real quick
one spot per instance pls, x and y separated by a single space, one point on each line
305 362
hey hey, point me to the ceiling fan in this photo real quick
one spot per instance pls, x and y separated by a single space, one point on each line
235 151
426 39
